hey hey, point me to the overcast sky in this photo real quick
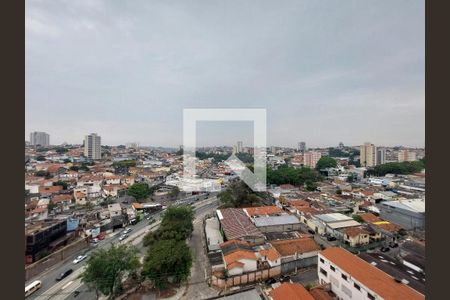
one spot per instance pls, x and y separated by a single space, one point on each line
325 71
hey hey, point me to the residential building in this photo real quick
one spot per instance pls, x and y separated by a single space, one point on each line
92 146
368 155
39 236
311 158
39 138
406 155
408 213
239 147
302 147
381 156
292 291
350 277
235 224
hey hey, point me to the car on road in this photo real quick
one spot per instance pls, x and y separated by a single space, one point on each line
76 293
64 274
311 231
393 245
270 281
79 258
331 238
123 236
127 230
384 249
285 278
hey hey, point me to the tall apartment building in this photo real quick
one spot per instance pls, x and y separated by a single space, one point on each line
406 155
239 147
302 147
311 158
381 156
39 138
368 155
92 146
350 277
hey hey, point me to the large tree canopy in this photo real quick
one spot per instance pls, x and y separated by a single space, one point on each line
139 190
105 268
326 162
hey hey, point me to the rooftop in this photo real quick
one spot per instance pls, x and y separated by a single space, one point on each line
368 275
291 291
236 224
293 246
276 220
263 210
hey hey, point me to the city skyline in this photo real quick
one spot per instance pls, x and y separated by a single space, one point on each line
324 71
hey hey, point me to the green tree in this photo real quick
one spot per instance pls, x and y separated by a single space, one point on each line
238 194
167 260
139 190
51 205
326 162
40 158
175 192
310 185
61 150
105 269
74 168
61 183
358 218
42 173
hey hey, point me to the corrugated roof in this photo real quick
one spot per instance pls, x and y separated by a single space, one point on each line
276 220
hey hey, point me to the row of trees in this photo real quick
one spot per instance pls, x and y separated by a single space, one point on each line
400 168
169 258
299 177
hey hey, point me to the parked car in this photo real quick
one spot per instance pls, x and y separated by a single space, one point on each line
285 278
76 293
270 281
79 258
393 245
64 274
123 236
384 249
311 231
331 238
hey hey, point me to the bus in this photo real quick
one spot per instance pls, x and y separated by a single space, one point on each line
32 287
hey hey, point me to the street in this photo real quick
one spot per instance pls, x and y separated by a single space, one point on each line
64 289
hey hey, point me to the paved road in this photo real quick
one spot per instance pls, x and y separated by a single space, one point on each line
49 284
65 289
197 287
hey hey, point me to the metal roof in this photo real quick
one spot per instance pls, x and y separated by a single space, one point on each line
276 220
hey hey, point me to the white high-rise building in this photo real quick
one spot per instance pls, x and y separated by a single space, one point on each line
39 138
92 146
368 155
240 147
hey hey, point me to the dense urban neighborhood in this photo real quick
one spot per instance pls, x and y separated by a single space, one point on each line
117 222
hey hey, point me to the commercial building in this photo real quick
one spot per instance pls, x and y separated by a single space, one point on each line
277 223
350 277
92 146
42 236
311 158
39 138
408 213
406 155
235 224
368 155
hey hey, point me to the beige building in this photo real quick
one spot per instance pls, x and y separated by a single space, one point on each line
311 158
406 155
368 155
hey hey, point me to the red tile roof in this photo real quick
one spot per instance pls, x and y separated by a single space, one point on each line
236 224
263 210
370 276
293 246
290 291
